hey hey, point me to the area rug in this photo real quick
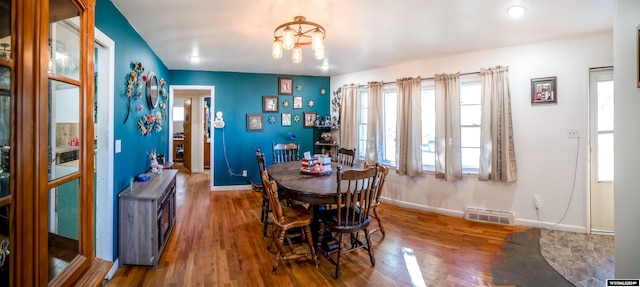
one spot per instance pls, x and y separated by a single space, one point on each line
584 259
520 263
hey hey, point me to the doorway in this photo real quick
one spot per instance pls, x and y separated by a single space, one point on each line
601 127
199 118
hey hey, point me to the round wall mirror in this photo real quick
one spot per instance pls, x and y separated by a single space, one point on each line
152 90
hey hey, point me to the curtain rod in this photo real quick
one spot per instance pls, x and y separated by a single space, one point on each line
421 78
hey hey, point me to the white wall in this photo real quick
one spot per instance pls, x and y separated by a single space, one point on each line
545 155
627 136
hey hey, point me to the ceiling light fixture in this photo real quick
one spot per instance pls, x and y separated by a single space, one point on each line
194 59
516 11
288 38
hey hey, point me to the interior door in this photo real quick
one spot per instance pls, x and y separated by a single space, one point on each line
601 98
187 133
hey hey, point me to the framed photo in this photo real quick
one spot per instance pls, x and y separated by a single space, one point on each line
543 90
297 102
638 60
285 86
269 104
309 119
254 122
286 120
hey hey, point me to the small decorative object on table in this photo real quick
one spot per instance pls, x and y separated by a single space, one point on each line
144 177
316 165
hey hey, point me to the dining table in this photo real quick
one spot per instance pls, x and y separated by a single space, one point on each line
318 190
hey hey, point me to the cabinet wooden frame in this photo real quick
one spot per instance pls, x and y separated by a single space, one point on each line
29 142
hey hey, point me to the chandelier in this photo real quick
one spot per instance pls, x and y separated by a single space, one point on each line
288 38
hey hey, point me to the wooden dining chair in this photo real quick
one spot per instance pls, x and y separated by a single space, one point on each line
346 156
285 219
258 187
285 152
381 177
355 193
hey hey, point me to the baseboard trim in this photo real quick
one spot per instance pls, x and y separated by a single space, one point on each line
458 213
114 268
231 187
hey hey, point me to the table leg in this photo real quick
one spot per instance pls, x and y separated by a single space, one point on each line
315 226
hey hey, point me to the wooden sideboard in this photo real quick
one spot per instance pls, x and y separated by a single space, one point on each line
147 216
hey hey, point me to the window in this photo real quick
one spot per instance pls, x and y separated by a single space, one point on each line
178 114
362 123
470 118
428 99
390 117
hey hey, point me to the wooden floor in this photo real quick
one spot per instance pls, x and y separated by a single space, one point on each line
218 241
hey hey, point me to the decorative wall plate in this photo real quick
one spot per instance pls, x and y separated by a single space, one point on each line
299 87
272 119
285 103
323 91
310 103
296 118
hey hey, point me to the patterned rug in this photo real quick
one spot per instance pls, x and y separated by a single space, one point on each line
584 259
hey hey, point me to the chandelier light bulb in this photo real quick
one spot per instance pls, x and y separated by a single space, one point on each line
276 52
296 55
317 39
288 41
319 52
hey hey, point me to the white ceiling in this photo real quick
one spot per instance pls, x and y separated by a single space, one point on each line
236 35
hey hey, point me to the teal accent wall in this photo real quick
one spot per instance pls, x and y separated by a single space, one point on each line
130 47
236 94
239 94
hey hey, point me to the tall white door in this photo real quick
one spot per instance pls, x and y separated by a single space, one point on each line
601 149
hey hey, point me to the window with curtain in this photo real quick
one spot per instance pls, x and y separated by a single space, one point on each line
470 120
470 117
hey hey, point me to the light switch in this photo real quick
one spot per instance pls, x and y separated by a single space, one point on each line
118 146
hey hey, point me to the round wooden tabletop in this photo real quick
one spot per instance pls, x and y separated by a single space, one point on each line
313 189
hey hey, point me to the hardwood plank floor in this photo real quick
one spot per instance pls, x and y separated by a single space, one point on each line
217 241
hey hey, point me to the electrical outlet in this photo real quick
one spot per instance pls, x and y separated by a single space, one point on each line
536 201
244 173
573 133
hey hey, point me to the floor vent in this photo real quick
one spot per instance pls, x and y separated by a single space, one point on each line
490 215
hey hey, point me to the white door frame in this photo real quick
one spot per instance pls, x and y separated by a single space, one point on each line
104 161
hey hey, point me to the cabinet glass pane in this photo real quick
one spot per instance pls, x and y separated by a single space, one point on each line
64 40
5 128
64 126
4 246
63 226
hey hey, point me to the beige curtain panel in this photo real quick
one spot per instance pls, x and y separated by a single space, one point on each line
497 152
375 131
448 157
349 116
409 127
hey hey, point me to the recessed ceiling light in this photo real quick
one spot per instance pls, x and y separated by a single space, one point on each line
516 11
324 67
194 59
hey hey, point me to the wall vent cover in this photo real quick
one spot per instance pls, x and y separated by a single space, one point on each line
490 215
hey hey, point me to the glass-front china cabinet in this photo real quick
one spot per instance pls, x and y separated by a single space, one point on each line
46 157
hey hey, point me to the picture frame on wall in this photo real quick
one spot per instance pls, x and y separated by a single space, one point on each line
285 86
309 119
286 120
297 103
543 90
269 104
638 54
254 122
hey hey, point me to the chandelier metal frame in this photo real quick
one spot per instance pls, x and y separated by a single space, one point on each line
303 32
